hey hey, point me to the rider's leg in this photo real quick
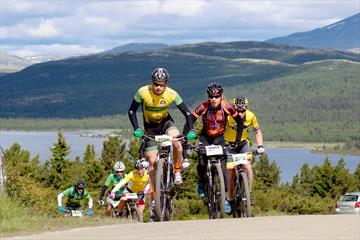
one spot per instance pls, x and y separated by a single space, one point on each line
121 206
151 154
108 210
231 176
250 175
177 148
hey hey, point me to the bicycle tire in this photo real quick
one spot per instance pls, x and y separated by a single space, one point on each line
217 200
169 213
243 196
160 195
136 214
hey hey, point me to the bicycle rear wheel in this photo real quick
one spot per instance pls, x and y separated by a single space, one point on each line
160 188
217 199
243 195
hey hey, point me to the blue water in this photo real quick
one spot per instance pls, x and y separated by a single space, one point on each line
289 160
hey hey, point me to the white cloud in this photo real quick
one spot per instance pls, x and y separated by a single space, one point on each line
105 24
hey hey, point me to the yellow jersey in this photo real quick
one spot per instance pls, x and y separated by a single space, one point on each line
231 128
136 183
155 107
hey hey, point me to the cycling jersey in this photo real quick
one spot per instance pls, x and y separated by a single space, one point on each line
134 182
74 198
155 107
214 119
113 180
235 129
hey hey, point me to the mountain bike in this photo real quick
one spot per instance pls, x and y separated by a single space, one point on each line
242 198
214 180
131 211
165 188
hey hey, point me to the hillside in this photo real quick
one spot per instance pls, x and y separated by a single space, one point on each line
342 35
137 47
10 63
295 99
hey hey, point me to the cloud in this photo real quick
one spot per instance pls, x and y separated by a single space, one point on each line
106 24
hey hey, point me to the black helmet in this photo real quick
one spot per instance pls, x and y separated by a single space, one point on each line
80 184
160 74
139 164
214 89
241 103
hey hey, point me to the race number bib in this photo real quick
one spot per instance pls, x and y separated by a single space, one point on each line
212 150
76 213
164 140
240 158
131 196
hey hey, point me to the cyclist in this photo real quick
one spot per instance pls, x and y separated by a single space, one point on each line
114 178
155 100
75 195
137 181
213 111
237 135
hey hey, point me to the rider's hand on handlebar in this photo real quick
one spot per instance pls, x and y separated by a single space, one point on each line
191 135
260 149
89 212
112 195
61 209
138 133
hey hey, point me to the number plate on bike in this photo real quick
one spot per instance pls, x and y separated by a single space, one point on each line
164 140
76 213
131 196
240 158
212 150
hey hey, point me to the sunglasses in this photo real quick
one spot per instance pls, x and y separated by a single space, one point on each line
242 111
159 84
119 171
214 96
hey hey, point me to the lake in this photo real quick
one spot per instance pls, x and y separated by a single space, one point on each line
289 160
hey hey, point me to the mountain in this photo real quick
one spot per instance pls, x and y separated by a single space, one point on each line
137 47
104 84
342 35
10 63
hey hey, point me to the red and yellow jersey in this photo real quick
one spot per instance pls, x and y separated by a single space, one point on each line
155 107
232 127
214 119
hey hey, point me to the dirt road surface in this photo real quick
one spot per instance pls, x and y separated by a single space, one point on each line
309 227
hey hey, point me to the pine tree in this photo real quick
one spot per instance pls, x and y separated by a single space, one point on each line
266 174
343 180
57 164
324 179
113 151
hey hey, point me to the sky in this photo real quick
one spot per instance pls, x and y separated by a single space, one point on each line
75 27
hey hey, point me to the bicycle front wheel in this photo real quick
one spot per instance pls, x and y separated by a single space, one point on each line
217 199
243 195
160 190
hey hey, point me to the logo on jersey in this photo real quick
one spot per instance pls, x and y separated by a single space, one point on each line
162 102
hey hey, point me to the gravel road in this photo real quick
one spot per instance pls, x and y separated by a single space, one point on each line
309 227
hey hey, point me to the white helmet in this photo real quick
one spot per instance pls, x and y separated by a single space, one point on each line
119 166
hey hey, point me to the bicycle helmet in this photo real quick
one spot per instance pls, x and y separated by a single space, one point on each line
160 74
119 167
80 184
139 164
241 103
214 89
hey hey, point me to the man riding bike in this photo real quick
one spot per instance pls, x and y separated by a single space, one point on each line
214 112
155 100
237 135
75 195
114 178
137 181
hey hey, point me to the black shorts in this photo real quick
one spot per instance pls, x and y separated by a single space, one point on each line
153 129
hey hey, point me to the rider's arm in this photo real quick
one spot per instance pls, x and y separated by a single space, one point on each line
259 137
60 196
187 114
90 202
122 183
102 192
132 114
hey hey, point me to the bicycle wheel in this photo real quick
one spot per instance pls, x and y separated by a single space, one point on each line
160 190
217 200
243 195
169 212
136 214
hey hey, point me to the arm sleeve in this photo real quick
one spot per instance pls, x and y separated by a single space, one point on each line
90 203
60 196
187 114
102 192
120 184
132 114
